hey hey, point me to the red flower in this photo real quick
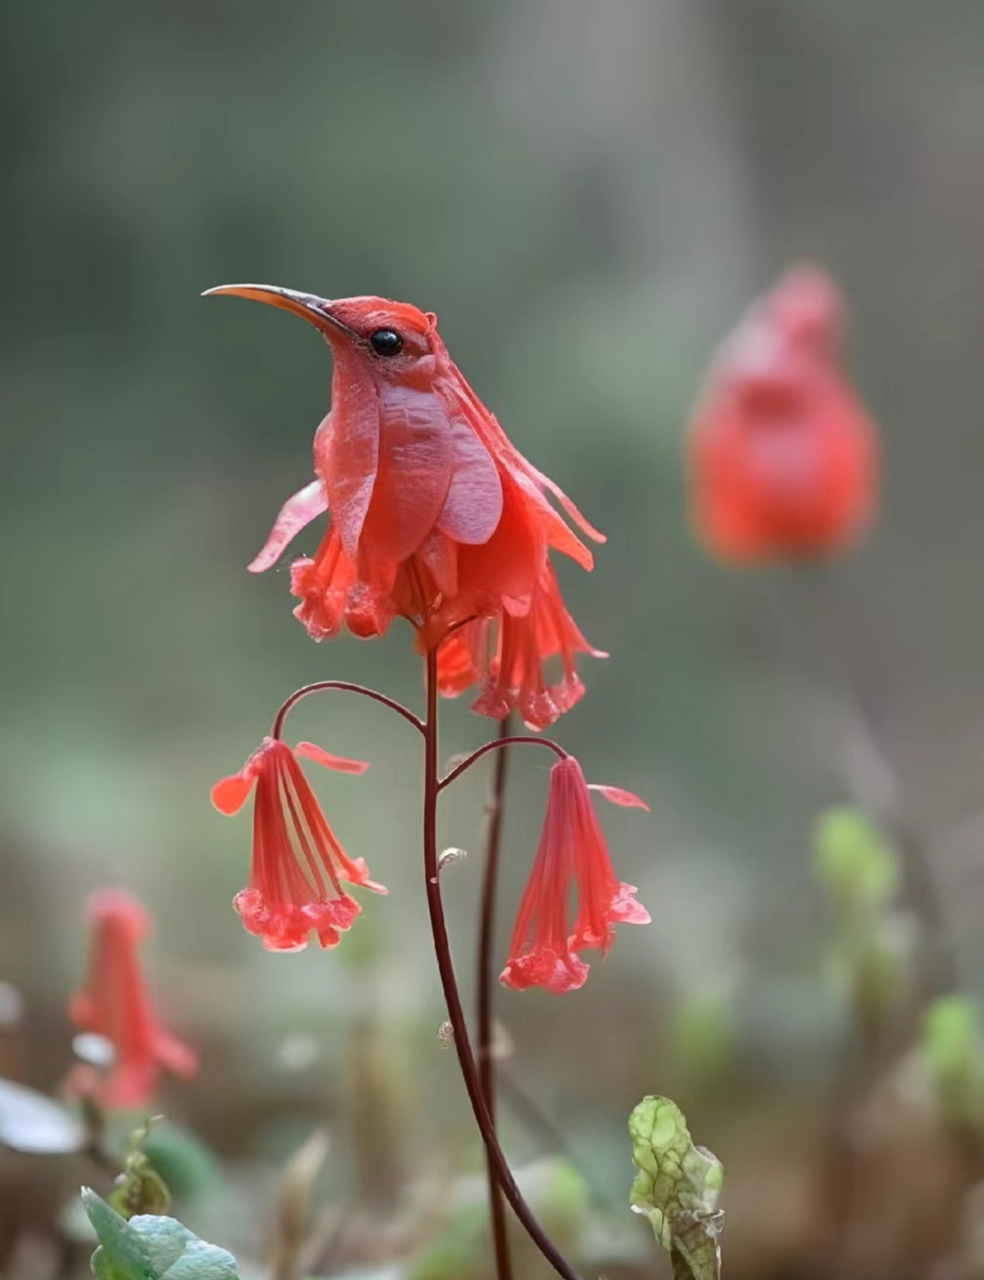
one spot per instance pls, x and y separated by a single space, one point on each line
783 456
511 671
572 849
435 516
295 882
116 1005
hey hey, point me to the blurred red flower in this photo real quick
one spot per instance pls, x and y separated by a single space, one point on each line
295 881
115 1004
435 515
572 850
783 457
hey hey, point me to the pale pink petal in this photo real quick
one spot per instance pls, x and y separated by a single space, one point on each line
618 795
296 512
341 764
473 507
413 475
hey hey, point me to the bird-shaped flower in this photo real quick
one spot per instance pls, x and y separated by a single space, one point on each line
299 866
116 1005
783 456
572 851
435 515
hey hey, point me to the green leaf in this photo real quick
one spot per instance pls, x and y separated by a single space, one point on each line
182 1160
953 1049
149 1247
140 1189
677 1188
855 862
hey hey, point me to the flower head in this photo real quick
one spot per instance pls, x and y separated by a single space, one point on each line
116 1005
435 515
510 669
299 866
783 456
572 851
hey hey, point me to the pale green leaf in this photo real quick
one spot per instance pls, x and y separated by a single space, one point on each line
854 860
677 1187
149 1247
953 1049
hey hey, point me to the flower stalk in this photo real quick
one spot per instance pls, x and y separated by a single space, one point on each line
452 996
485 987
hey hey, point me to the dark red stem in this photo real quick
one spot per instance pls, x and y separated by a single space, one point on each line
486 985
499 744
348 687
449 983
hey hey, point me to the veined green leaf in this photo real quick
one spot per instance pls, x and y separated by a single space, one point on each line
677 1188
149 1247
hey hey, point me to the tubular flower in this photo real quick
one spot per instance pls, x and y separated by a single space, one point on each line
116 1005
295 881
783 457
510 672
435 515
572 850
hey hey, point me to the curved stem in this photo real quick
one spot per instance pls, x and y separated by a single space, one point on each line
449 983
348 687
499 744
486 982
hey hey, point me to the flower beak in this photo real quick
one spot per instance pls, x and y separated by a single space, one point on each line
308 306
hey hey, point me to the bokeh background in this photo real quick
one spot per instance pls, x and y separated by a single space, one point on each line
588 193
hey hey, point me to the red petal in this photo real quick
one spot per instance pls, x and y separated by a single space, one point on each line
176 1055
581 521
414 473
473 507
618 795
229 794
346 453
341 764
296 512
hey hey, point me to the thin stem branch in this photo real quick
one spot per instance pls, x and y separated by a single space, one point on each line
486 985
348 687
499 744
452 996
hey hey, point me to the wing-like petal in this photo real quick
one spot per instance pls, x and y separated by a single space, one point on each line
346 450
414 473
298 511
473 507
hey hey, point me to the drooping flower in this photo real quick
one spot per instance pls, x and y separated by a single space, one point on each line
783 457
299 866
435 515
116 1005
572 852
509 667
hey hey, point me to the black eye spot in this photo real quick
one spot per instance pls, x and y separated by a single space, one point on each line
386 342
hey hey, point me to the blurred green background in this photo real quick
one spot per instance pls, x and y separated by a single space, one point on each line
588 192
